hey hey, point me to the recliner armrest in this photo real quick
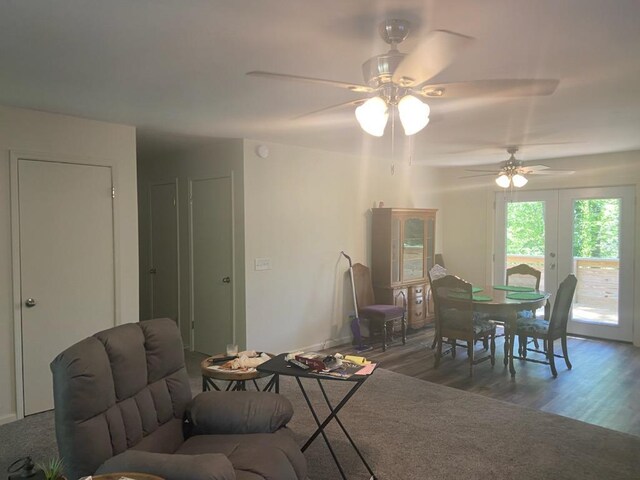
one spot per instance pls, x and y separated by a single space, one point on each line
238 412
207 466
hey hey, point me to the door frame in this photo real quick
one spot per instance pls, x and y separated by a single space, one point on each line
627 246
190 181
150 285
14 157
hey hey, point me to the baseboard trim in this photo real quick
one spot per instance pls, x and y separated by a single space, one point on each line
12 417
333 342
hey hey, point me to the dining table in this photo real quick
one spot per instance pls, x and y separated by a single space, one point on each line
501 303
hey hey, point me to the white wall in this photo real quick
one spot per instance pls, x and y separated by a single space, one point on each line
81 141
302 207
468 215
205 158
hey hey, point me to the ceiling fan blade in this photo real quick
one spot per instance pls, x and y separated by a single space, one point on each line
472 170
354 87
492 174
353 103
550 172
432 55
535 168
524 87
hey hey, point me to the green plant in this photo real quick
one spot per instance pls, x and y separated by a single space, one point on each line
52 468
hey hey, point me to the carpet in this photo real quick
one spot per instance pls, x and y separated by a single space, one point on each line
409 429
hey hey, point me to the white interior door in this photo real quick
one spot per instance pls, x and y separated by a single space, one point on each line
212 264
66 273
163 270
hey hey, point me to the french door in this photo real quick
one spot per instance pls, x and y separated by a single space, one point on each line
588 232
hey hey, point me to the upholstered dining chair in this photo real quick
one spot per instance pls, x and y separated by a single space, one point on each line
455 320
437 271
526 276
382 318
550 328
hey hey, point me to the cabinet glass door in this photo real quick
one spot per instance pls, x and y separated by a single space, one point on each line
413 249
395 249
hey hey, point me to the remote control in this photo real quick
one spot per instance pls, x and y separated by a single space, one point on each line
298 364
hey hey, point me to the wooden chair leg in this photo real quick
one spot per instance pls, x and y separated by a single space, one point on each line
438 341
453 347
471 353
404 330
485 343
565 352
551 357
384 336
493 349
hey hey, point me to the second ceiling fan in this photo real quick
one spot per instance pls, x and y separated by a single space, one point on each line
401 80
513 172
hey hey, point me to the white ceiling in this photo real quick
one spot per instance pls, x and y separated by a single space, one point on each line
179 66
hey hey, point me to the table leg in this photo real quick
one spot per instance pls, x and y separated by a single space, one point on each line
326 398
320 430
511 331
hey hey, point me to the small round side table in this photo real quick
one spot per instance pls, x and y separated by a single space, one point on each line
131 475
236 380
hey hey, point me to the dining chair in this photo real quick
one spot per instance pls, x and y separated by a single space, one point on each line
549 329
437 271
455 320
382 318
526 276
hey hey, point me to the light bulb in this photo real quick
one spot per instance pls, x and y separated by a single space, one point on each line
503 181
372 116
414 114
519 180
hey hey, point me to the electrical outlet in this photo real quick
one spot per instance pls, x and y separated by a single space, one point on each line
262 263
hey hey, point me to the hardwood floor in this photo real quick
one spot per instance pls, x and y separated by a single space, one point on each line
603 388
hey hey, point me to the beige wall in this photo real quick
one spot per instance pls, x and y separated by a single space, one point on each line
80 141
468 213
302 207
205 159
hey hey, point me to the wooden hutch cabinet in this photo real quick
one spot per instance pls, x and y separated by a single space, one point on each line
402 252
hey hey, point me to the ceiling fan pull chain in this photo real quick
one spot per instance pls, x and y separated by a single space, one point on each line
393 140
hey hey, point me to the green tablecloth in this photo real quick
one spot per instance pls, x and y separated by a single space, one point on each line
514 288
525 296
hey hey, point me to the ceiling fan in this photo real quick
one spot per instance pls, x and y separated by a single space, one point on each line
400 80
514 173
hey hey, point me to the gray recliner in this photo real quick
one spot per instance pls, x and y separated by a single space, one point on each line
123 404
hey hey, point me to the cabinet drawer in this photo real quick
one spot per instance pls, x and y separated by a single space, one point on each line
417 291
417 314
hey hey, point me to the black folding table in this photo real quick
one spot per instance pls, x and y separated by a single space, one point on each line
279 366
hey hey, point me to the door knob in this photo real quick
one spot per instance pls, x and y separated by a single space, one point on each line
226 280
30 302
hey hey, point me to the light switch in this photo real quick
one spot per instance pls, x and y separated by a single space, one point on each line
263 263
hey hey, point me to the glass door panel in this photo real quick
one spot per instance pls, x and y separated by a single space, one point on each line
598 247
526 232
413 249
395 250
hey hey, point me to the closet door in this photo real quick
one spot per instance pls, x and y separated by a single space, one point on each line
212 264
66 251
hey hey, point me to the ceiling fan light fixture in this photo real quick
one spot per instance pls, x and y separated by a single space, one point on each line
519 180
372 116
503 180
414 114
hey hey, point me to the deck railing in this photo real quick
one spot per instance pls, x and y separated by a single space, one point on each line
598 279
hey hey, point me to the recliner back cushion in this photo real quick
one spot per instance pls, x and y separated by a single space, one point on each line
123 388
